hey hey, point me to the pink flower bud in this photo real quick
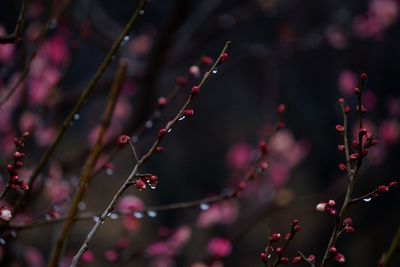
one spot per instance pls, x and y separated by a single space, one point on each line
159 149
332 250
140 185
363 77
340 258
339 128
281 109
206 61
223 57
181 81
263 257
274 237
296 260
343 167
188 112
123 139
321 206
383 189
284 260
195 90
162 101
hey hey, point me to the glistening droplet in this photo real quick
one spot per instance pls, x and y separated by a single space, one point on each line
138 215
204 206
152 214
367 199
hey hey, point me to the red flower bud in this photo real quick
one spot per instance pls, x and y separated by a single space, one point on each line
123 139
195 90
339 128
223 57
363 77
206 61
188 112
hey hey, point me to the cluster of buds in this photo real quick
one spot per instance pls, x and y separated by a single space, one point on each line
13 169
281 110
348 225
123 139
339 257
329 207
278 250
144 180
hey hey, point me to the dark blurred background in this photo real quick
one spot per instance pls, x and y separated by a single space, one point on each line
305 54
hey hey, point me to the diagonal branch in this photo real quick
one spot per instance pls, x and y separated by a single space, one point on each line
16 35
88 168
129 181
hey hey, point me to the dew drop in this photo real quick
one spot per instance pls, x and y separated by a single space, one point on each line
109 171
96 219
182 118
13 234
141 12
215 71
169 130
152 214
153 187
368 199
149 124
204 206
47 217
81 205
76 117
134 139
114 216
126 38
2 241
53 24
269 255
138 215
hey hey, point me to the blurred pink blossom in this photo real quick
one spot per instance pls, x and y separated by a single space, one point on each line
111 255
225 212
238 156
33 257
45 136
219 247
389 131
87 257
129 204
347 82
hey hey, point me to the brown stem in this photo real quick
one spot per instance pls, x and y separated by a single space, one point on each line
16 35
393 248
134 171
352 179
87 170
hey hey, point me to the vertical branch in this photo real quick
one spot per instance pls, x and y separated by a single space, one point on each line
87 170
16 35
84 96
353 172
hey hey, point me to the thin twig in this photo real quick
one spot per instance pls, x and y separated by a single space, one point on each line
143 159
394 247
16 35
352 179
87 170
305 258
